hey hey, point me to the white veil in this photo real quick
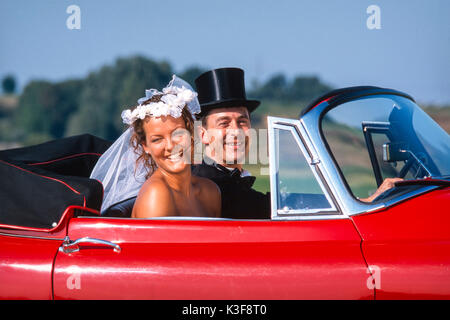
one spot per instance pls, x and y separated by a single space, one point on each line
116 169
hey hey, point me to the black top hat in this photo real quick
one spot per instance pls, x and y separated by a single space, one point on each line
223 88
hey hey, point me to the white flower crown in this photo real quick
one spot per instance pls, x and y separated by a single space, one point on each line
177 94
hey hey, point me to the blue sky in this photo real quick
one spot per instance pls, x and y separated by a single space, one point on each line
328 38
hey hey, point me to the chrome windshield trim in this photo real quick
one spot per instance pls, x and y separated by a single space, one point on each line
305 212
273 159
348 204
307 149
331 174
310 217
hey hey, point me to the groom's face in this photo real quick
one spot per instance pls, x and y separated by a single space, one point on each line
225 131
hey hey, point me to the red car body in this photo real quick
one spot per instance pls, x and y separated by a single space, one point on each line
399 251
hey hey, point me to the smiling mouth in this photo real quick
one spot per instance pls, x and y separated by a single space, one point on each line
234 146
176 157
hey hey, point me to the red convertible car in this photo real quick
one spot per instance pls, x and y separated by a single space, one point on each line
322 241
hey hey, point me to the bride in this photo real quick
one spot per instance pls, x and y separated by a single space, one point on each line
152 159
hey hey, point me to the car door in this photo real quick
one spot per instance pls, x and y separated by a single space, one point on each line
26 263
408 247
308 250
212 259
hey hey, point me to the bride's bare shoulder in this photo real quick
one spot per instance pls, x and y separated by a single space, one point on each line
210 195
206 185
154 199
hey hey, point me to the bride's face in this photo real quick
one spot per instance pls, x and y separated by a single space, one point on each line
168 142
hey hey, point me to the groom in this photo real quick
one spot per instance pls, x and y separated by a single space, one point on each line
225 118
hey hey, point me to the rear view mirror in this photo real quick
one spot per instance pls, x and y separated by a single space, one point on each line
393 152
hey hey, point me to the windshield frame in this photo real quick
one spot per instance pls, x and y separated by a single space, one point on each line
312 122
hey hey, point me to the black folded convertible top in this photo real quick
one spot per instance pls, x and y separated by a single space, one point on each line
38 183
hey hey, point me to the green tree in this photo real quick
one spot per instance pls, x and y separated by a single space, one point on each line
301 89
274 88
9 84
45 107
307 88
112 89
34 104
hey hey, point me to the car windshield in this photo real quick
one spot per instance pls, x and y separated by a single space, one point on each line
384 136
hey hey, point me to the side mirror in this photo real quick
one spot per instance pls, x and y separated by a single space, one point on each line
393 152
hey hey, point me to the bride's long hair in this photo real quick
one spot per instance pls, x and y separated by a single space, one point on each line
138 137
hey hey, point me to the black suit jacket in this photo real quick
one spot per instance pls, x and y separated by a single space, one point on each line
239 199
